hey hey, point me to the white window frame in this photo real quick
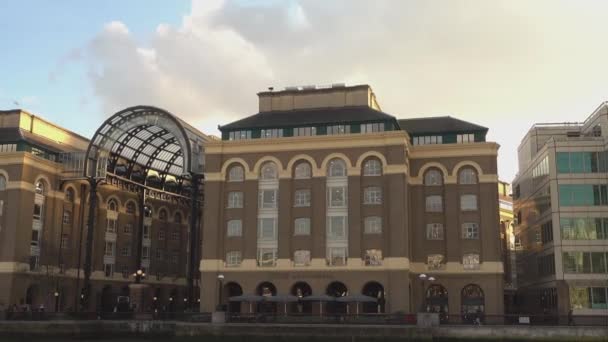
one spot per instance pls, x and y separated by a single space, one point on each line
302 198
468 261
262 229
234 228
431 206
434 231
268 198
337 233
467 176
470 231
372 225
236 173
269 171
303 171
301 226
372 195
433 177
372 167
109 249
233 259
235 200
337 168
468 202
333 192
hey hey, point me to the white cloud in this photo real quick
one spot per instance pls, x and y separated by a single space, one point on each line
503 64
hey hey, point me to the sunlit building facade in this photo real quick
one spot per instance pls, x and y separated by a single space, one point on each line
323 193
561 207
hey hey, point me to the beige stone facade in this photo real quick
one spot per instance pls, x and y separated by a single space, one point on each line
383 262
43 227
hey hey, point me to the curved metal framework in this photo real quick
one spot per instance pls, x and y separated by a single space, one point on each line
146 149
150 138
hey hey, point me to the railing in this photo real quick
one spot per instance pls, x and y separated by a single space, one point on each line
325 318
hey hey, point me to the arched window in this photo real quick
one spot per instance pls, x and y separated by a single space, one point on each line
40 188
177 218
130 208
269 171
69 195
236 174
472 303
467 176
372 167
112 206
303 171
337 168
2 183
433 177
162 215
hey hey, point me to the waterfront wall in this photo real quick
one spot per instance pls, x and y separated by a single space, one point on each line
291 332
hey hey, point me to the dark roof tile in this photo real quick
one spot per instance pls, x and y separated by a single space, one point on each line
440 124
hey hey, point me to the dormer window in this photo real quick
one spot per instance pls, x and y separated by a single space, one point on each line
465 138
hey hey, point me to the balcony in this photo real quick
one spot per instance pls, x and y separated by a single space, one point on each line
34 250
110 236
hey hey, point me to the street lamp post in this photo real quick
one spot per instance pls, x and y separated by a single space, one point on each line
220 279
422 278
56 294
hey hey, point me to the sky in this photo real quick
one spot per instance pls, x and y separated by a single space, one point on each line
502 64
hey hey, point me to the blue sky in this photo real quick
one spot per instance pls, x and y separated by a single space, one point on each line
37 36
503 64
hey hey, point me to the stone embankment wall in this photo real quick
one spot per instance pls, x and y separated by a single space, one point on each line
177 331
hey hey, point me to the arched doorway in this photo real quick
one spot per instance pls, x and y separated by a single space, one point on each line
301 289
472 303
336 289
107 299
376 290
437 301
232 289
267 289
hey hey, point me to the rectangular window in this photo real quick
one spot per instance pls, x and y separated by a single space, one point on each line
233 258
111 226
304 131
271 133
336 228
161 234
235 199
373 225
470 230
338 129
336 256
465 138
373 257
267 257
125 251
578 162
372 195
234 228
336 197
160 254
301 226
268 199
174 257
301 258
584 262
146 232
267 229
175 235
434 231
37 211
598 298
67 217
434 204
302 198
468 202
470 261
239 135
428 140
372 127
582 195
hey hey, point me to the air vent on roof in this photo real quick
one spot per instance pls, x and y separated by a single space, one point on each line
338 85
